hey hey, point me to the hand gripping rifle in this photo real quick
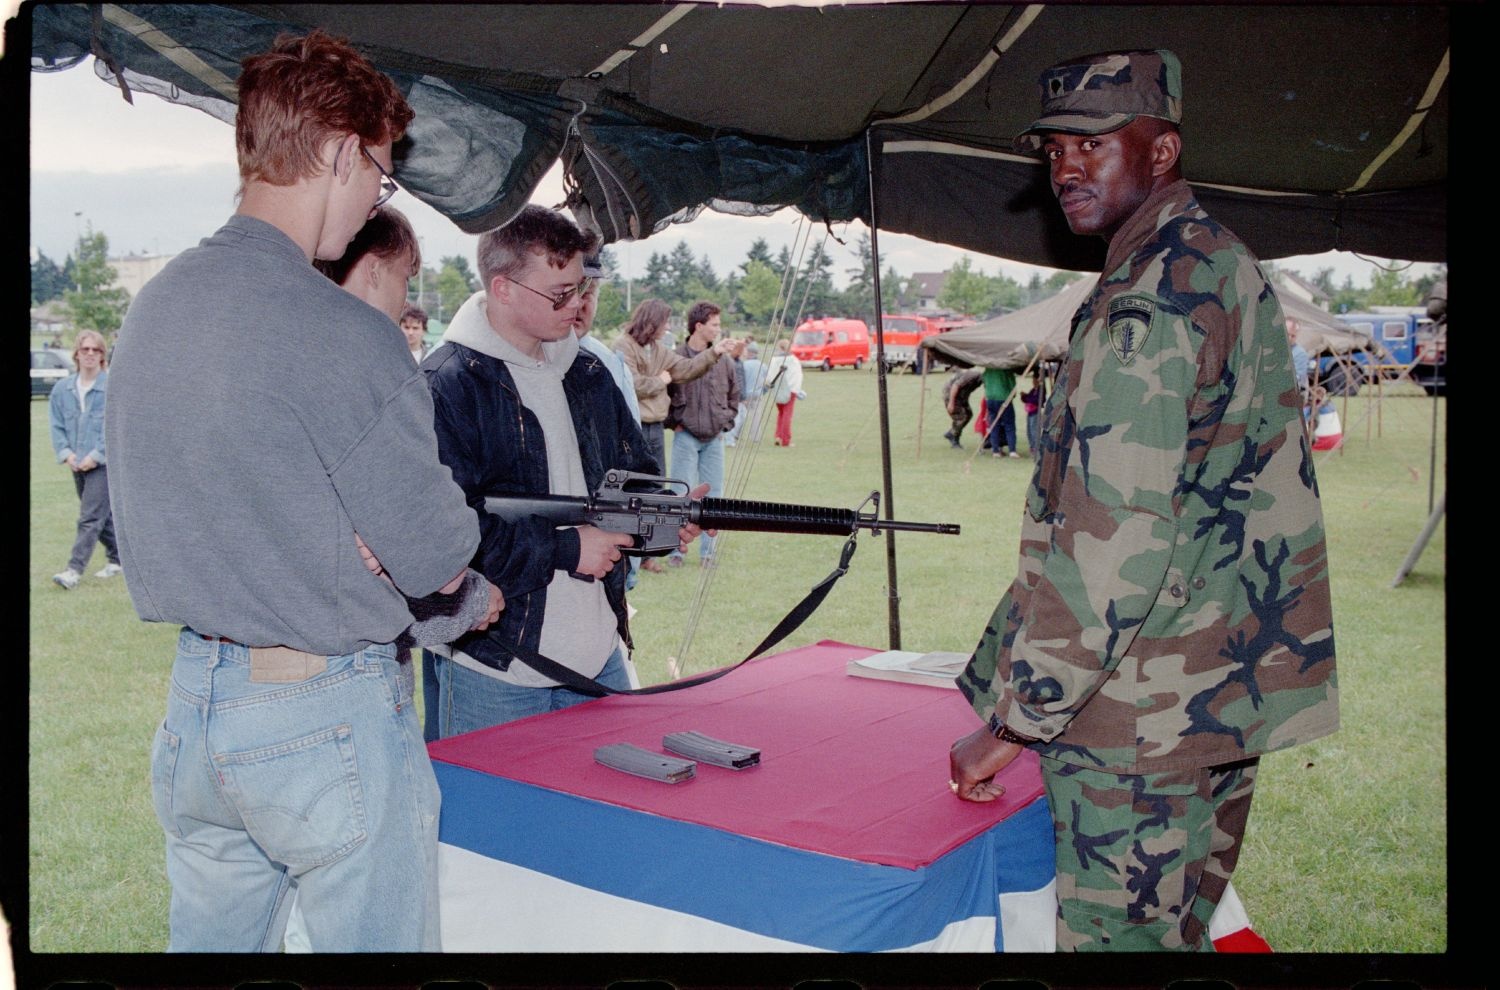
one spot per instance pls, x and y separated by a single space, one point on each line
652 509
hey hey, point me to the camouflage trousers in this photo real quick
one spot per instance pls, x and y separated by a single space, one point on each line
960 418
1142 860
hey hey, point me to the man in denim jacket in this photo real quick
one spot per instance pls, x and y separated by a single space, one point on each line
76 411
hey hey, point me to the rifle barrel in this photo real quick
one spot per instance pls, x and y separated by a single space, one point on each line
950 529
778 517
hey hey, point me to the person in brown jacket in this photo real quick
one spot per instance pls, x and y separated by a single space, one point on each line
701 411
655 366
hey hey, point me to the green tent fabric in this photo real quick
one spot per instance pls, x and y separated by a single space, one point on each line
1037 332
1307 127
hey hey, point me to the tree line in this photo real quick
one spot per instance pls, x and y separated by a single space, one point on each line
766 286
85 283
750 295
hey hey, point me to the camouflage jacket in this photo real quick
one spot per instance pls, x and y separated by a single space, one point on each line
1171 606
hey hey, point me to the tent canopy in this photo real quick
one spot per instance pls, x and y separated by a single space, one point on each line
1040 332
1306 128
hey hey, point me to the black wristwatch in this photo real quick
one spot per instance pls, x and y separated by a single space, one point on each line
1005 733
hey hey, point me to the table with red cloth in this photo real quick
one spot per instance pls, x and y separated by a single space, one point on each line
846 836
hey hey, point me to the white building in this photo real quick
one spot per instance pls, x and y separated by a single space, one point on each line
134 270
1296 285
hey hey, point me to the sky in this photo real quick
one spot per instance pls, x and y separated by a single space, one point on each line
156 178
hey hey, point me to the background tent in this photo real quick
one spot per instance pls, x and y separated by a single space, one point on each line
1307 128
1013 340
1322 333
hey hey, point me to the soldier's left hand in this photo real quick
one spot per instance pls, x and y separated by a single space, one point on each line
973 762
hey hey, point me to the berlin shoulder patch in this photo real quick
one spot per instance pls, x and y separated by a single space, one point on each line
1129 322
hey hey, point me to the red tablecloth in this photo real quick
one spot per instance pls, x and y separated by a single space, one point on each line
850 766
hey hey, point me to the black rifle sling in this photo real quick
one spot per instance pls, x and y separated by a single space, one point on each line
789 623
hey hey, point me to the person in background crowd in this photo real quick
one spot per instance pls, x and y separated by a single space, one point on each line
784 374
1031 401
956 391
1170 618
76 413
700 412
279 495
413 324
752 384
1301 365
731 435
593 270
1000 412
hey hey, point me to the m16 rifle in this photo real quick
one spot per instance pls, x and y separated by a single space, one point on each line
652 509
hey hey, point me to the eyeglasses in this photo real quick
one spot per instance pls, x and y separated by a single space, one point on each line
90 350
388 185
565 297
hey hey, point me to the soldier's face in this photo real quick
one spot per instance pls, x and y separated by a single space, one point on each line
1101 179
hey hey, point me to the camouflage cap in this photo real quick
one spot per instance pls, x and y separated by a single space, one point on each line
1096 94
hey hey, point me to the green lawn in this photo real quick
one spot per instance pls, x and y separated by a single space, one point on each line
1346 849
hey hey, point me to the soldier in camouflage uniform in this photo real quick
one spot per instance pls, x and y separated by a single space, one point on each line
956 391
1170 619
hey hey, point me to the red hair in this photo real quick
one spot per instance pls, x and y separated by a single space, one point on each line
303 91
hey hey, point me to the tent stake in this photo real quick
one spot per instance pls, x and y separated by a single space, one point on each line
893 595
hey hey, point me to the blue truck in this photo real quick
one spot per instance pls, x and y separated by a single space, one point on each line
1409 342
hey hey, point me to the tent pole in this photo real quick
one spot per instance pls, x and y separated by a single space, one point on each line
1432 452
921 401
893 595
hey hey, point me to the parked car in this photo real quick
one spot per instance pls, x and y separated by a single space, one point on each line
829 343
48 367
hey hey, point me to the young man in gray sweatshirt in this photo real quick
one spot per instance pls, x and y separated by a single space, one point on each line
274 463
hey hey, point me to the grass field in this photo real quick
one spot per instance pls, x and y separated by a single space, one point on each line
1346 848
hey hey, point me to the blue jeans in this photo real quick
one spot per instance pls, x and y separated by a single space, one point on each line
696 462
1002 427
323 783
653 432
471 701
